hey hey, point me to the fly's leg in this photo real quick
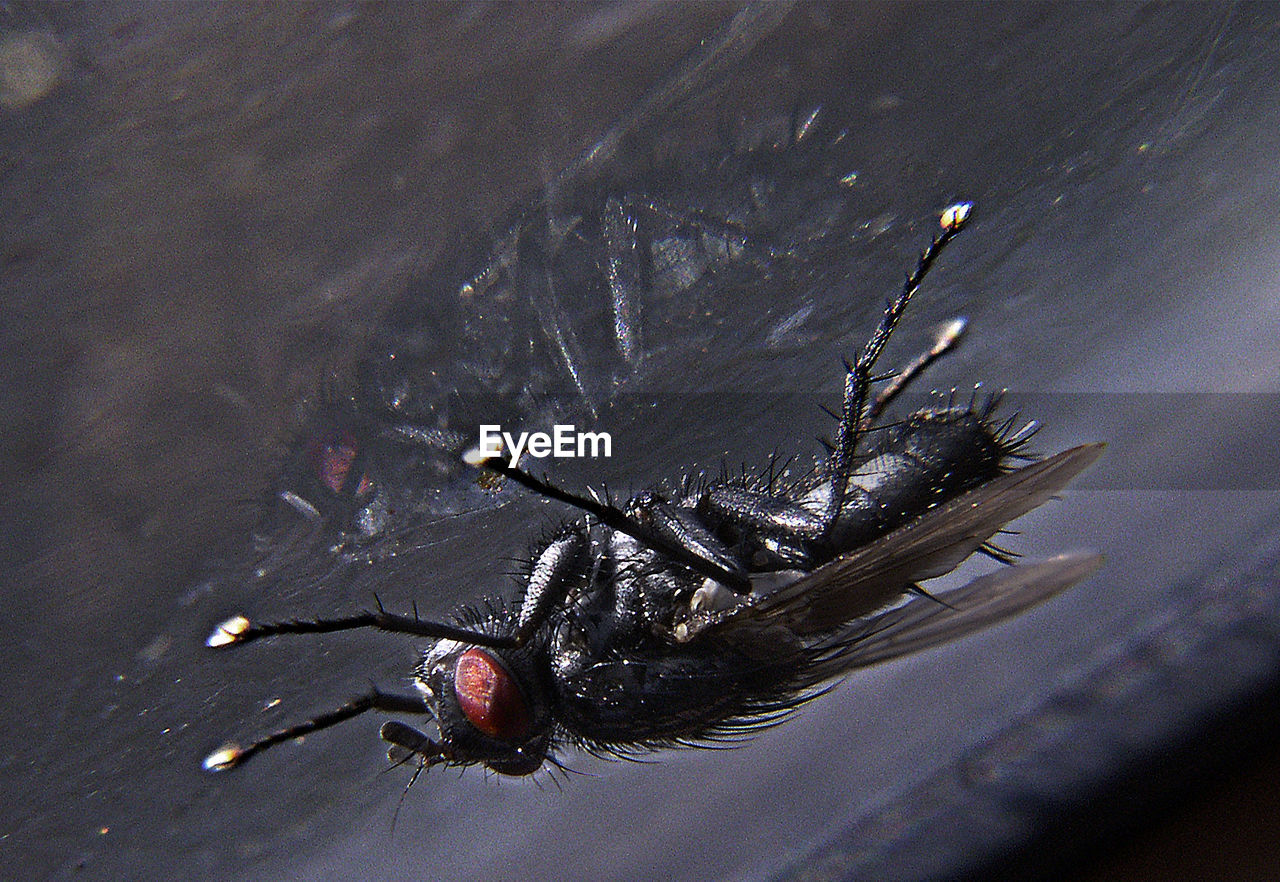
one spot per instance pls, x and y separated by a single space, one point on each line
760 511
681 527
553 574
655 535
407 742
780 528
231 755
549 583
943 342
238 630
856 412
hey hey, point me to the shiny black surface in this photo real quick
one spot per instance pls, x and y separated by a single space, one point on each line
203 221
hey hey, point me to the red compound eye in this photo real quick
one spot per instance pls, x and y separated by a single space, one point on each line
332 456
489 697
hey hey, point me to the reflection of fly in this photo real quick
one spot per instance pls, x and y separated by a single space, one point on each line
691 618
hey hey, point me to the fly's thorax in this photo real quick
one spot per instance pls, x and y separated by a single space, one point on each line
493 706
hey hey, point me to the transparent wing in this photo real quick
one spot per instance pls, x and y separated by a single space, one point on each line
923 622
866 580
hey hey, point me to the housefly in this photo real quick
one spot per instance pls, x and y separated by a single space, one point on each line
683 618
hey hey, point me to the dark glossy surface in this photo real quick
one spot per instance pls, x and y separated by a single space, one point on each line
205 218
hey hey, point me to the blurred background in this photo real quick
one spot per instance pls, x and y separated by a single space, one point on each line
207 210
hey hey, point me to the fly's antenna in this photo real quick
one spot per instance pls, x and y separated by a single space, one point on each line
238 629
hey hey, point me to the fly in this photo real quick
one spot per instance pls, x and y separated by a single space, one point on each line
685 618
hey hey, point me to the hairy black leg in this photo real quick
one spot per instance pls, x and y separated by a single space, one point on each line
681 527
407 742
238 630
624 269
231 755
548 583
778 526
858 378
611 516
760 512
945 340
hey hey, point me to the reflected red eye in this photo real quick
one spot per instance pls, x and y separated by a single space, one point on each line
489 697
332 455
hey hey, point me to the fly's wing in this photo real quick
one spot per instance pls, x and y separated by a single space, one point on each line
923 622
867 579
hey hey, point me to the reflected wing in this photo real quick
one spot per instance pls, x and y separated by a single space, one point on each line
863 581
923 622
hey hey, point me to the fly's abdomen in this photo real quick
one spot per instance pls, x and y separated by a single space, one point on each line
912 466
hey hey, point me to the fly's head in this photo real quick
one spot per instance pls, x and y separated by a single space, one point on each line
492 706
